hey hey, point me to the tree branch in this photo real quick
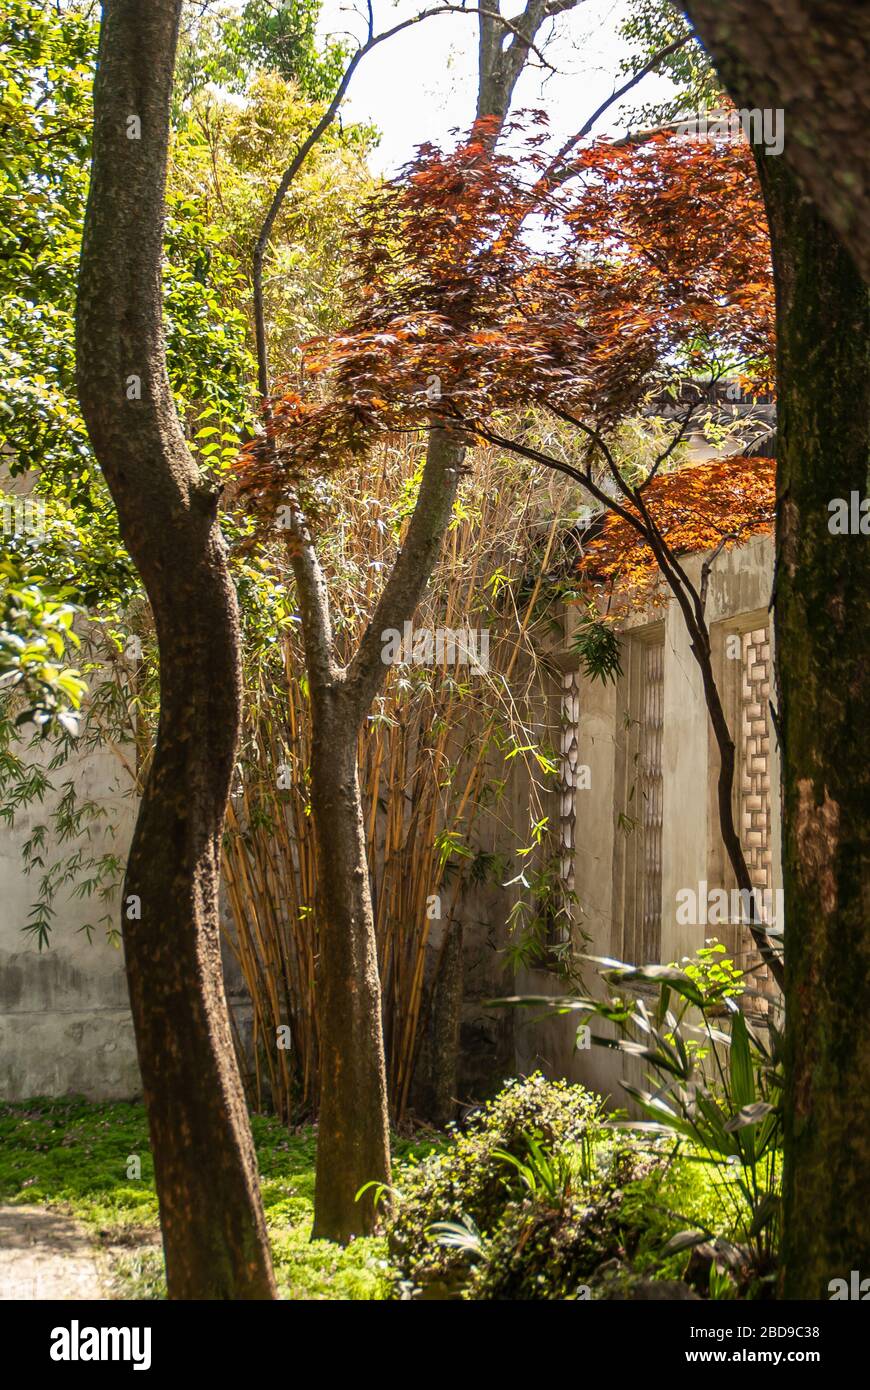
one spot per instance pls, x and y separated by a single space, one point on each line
692 604
556 175
409 575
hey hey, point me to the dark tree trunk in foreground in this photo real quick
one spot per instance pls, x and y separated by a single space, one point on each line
822 621
808 58
214 1234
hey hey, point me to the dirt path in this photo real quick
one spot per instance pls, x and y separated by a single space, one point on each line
45 1255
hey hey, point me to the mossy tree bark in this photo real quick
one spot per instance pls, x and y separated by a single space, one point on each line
212 1221
822 618
808 58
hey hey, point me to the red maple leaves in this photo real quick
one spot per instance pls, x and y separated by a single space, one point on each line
484 282
723 502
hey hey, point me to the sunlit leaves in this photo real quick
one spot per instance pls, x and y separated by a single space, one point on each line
36 635
484 285
696 509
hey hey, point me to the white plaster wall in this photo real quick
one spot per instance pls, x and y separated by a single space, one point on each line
65 1024
739 590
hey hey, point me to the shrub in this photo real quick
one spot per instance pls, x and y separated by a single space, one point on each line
474 1181
551 1247
714 1088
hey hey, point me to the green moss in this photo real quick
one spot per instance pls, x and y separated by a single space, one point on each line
608 1200
73 1154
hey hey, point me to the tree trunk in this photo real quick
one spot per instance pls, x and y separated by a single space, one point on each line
809 59
353 1125
353 1145
214 1233
822 617
503 51
438 1088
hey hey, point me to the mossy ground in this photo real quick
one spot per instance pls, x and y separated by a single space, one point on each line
74 1154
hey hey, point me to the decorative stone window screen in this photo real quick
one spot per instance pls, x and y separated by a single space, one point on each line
753 786
755 756
569 722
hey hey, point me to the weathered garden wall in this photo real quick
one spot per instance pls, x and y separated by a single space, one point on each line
65 1022
690 845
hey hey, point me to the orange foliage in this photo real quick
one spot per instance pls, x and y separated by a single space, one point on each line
696 509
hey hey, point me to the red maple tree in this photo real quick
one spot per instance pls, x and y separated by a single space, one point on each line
597 289
485 282
706 506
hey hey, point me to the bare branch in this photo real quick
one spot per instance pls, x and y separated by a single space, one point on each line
708 565
409 575
326 120
666 453
554 173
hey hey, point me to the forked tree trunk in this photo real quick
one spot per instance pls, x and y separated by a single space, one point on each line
353 1133
822 620
353 1146
504 48
214 1234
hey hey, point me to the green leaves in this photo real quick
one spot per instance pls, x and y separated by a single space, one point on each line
597 644
227 46
45 77
665 975
36 634
459 1235
715 1089
742 1074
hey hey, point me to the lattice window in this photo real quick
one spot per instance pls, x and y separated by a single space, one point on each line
569 720
755 757
754 787
651 782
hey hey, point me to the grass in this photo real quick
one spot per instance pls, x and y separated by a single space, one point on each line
75 1155
81 1158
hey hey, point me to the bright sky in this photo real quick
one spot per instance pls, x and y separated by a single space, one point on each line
423 83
